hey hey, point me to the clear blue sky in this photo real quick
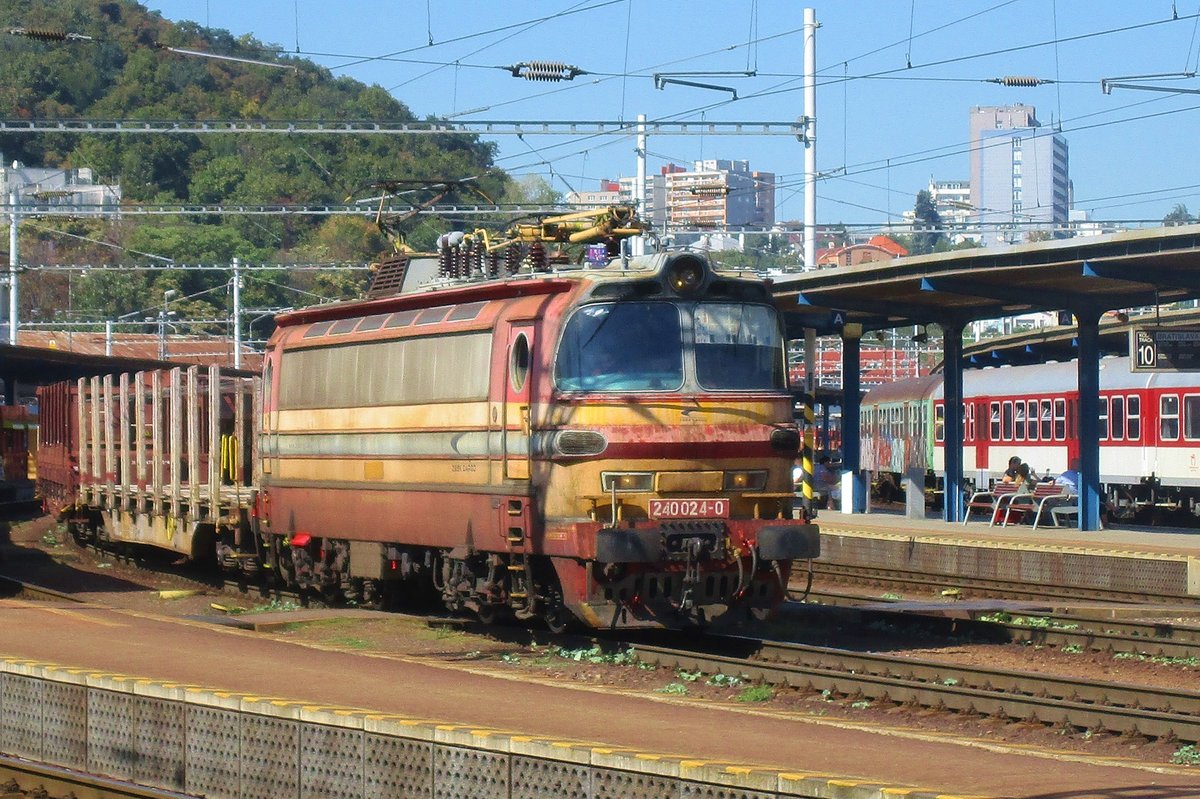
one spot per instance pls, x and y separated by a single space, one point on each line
881 134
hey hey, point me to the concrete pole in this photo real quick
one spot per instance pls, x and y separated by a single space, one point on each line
237 314
639 189
810 250
810 139
108 337
14 257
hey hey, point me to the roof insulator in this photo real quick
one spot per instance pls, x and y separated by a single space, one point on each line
550 71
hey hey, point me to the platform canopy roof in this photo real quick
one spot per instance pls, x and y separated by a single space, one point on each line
1085 275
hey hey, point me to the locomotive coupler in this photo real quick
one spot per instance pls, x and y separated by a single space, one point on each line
694 549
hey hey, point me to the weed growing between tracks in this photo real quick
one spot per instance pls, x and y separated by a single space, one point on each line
1188 755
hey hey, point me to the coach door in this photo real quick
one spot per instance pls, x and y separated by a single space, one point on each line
517 413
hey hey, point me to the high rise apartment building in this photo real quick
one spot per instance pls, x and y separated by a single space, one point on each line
1019 174
714 194
721 194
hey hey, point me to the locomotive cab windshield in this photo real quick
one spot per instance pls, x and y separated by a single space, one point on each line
687 331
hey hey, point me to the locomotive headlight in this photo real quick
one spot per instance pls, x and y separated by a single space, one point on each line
626 482
685 274
745 481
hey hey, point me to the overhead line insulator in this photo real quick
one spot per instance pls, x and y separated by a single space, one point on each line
548 71
1020 81
48 35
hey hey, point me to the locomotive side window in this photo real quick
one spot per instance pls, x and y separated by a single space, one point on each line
1019 417
995 423
1060 420
1133 417
1103 418
1168 417
1047 420
518 363
628 346
1031 420
738 347
1191 417
414 370
1116 419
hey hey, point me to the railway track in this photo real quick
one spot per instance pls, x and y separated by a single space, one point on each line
1081 631
12 588
22 778
890 680
930 584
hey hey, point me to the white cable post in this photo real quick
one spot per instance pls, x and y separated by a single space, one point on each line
108 338
237 314
14 257
810 139
639 190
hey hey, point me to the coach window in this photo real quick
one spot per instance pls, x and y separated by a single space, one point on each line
1047 420
1133 417
1103 419
1031 420
969 421
1060 420
1019 427
1116 419
995 421
1168 417
1191 417
939 423
1007 419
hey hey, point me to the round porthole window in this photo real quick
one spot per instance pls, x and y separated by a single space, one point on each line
518 363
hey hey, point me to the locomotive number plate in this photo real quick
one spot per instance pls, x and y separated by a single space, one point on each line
689 509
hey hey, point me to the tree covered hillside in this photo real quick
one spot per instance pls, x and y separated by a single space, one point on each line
121 75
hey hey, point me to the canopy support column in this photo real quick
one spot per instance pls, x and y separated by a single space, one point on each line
1088 337
856 501
952 506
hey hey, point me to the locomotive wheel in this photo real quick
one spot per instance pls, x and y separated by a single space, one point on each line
493 614
558 620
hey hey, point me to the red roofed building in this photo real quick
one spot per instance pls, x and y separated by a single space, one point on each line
878 248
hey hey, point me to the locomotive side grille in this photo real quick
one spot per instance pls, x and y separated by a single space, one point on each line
389 277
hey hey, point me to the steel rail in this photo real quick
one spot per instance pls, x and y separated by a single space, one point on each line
39 779
1096 633
1048 699
11 587
1005 589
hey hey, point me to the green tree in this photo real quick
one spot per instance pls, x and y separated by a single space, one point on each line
1178 216
927 224
121 75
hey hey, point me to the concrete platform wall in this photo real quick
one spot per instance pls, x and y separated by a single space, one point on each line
1108 570
231 746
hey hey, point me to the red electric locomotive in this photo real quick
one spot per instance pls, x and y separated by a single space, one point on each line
609 443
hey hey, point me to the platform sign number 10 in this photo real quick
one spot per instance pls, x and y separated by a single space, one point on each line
1145 350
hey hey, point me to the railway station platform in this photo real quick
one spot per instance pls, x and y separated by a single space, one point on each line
1140 563
206 709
